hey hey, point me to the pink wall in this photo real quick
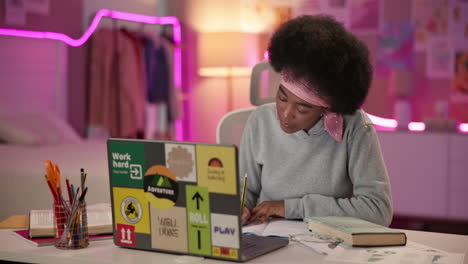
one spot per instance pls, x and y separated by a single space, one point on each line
64 17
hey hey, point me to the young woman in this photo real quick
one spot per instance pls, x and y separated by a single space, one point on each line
314 152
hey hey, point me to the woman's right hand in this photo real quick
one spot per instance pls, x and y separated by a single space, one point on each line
245 215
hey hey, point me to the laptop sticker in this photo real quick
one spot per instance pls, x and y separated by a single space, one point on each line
225 230
216 168
125 235
198 219
127 163
169 229
160 186
133 208
180 159
231 253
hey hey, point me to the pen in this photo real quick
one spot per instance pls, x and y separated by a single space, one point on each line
243 192
82 178
72 190
69 191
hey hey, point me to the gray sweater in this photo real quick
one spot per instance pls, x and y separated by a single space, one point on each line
314 174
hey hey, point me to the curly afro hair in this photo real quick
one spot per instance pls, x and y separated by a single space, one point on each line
319 50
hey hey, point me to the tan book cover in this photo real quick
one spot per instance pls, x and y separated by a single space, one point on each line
356 232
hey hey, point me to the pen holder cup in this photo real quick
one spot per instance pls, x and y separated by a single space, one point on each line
71 227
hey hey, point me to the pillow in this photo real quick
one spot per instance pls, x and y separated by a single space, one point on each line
35 128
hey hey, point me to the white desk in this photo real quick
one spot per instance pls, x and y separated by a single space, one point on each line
15 249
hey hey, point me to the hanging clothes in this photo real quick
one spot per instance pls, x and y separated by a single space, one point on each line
116 89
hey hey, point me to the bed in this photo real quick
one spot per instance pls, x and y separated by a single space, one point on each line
26 146
33 128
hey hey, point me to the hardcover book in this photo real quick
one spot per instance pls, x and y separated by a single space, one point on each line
356 232
49 241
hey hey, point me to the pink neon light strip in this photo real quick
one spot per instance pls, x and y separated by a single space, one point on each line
384 122
169 20
463 127
416 126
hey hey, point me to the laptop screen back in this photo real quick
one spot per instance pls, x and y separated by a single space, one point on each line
176 197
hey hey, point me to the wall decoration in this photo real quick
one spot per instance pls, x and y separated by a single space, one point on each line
364 16
458 22
459 91
440 58
335 8
41 7
15 12
395 50
430 18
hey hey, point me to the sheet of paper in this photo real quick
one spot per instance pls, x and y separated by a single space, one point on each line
323 247
256 229
285 228
412 253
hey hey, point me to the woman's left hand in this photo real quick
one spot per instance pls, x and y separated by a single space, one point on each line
267 209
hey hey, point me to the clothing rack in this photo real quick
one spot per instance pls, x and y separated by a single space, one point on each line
151 20
116 15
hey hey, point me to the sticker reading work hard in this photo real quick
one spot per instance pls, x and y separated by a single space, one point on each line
161 187
127 163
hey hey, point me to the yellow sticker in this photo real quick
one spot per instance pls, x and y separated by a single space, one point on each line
223 252
216 168
131 208
216 251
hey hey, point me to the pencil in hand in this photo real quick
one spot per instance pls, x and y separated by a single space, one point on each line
244 188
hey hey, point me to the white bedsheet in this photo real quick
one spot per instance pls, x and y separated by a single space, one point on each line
23 186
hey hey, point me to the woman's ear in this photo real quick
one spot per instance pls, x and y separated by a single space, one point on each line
324 109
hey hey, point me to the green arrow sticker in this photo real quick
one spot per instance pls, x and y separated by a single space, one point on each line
198 220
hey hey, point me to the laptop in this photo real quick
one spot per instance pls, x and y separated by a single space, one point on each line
180 197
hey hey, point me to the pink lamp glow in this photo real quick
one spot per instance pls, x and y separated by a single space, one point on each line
169 20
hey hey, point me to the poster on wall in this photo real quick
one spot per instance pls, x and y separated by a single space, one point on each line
41 7
458 22
335 8
440 58
395 51
364 16
430 18
459 91
15 12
